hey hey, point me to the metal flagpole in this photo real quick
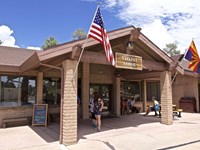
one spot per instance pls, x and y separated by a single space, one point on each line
84 46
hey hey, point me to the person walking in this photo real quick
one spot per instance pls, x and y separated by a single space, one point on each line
91 108
98 106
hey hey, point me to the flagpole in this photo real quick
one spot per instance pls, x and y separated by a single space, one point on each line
75 71
179 63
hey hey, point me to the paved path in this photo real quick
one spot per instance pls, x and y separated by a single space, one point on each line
143 133
132 132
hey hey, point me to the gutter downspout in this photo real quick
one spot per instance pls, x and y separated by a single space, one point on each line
61 103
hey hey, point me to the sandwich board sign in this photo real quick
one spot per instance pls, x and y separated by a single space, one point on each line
40 114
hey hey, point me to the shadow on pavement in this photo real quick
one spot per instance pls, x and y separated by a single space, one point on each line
109 123
51 132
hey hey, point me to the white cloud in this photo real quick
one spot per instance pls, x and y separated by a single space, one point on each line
8 40
34 48
111 3
6 36
162 21
152 29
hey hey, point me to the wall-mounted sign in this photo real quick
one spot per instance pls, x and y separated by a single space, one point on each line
128 61
40 114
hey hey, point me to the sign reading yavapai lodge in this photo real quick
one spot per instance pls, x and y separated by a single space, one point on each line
128 61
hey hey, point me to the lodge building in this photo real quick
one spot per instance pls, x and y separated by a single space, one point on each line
49 77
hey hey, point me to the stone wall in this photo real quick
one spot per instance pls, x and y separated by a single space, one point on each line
185 86
22 111
101 74
13 112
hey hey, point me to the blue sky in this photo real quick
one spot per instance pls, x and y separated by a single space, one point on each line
27 23
32 21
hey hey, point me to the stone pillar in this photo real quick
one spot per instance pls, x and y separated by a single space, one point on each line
145 96
69 127
117 96
85 89
39 87
166 98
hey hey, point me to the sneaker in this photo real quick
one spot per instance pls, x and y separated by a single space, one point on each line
99 130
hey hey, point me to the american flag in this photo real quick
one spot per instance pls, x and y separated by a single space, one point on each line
98 32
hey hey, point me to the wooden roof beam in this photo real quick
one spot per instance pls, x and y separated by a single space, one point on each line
142 76
135 33
76 51
153 65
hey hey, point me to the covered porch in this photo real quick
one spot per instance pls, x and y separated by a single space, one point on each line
61 62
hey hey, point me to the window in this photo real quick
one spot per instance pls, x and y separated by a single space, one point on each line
131 89
17 91
51 91
105 91
153 89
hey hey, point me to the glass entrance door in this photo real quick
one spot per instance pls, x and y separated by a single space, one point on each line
105 91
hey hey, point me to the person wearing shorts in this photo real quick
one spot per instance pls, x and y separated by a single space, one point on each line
155 107
98 106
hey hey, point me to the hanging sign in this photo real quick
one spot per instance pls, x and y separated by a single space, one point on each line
128 61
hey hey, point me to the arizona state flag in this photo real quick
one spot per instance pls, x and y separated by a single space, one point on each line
193 57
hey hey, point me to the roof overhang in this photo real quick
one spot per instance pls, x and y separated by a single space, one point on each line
7 68
71 50
31 63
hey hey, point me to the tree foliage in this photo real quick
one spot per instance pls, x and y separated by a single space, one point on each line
51 41
79 34
0 42
171 49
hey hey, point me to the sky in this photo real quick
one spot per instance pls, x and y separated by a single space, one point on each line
28 23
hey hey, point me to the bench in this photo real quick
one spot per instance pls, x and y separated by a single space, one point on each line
17 119
177 112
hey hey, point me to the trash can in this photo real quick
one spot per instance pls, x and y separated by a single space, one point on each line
188 104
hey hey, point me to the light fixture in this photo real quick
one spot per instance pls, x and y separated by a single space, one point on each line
130 45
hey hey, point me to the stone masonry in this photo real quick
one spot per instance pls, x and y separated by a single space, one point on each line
39 88
166 98
85 89
69 126
185 86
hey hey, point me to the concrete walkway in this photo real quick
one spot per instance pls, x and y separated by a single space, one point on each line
132 132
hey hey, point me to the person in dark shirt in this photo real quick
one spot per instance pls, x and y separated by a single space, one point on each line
98 106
